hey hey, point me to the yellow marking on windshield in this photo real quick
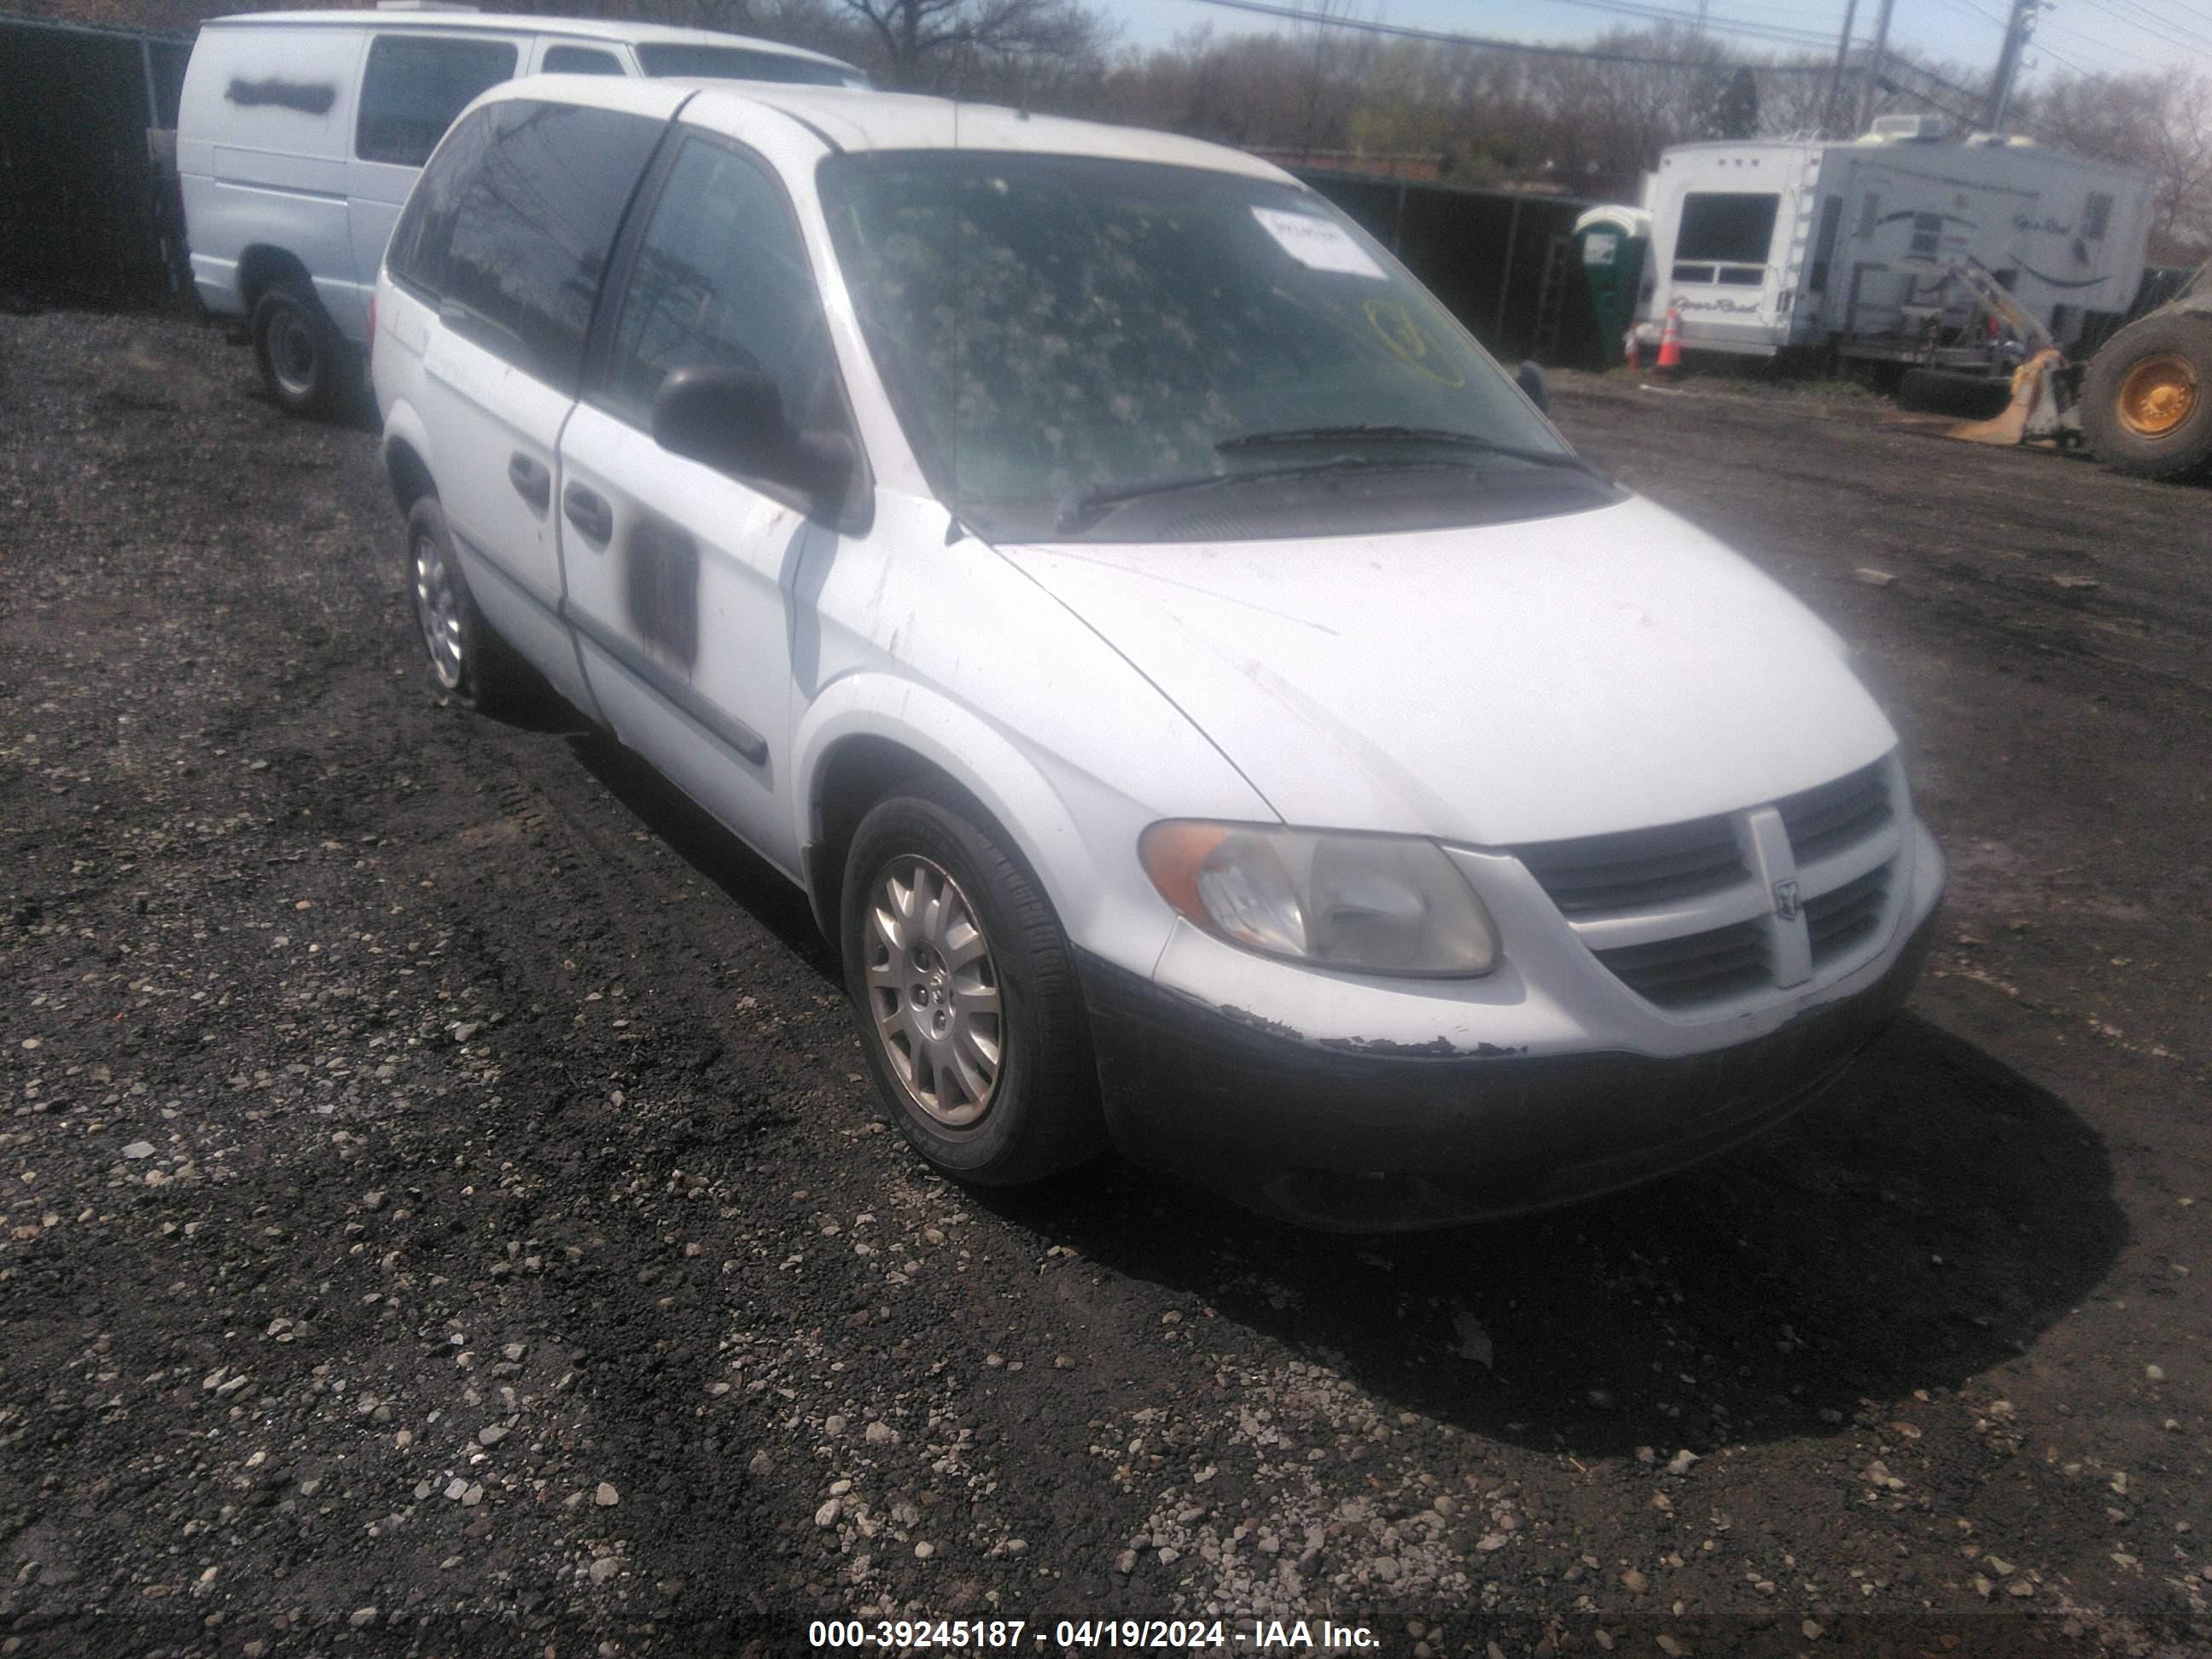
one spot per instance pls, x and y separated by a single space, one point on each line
1407 343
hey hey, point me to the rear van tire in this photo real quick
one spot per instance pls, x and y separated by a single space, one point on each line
469 662
299 351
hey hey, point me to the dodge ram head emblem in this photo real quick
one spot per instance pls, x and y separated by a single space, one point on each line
1787 905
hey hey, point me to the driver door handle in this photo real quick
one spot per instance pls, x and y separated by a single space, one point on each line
532 478
588 511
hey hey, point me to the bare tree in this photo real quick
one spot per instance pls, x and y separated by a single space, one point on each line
2159 120
938 44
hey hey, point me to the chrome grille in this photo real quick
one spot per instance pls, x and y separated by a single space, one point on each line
1694 967
1690 916
1844 918
1599 873
1833 816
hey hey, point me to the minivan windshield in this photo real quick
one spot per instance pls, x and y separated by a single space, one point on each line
1088 348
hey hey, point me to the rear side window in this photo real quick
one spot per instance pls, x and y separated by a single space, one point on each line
414 86
526 224
720 280
741 64
580 60
416 256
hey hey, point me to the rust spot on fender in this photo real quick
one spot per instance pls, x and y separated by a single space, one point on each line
1434 1048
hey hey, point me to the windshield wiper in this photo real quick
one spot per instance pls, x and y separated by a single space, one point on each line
1384 433
1082 508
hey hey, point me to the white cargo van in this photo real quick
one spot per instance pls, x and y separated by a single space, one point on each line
301 134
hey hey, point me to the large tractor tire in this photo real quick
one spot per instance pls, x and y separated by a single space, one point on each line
1943 391
2146 399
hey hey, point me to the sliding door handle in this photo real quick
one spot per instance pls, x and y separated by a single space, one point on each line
532 478
588 511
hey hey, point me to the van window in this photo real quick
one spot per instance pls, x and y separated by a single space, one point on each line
1731 226
721 281
531 221
413 88
2096 216
580 60
737 64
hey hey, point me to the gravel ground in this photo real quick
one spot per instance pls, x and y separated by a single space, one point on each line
444 1213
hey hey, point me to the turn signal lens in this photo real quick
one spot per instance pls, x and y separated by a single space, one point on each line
1373 904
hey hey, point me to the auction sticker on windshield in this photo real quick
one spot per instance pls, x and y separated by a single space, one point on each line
1317 243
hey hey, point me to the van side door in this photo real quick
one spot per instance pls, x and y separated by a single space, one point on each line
512 264
412 86
680 577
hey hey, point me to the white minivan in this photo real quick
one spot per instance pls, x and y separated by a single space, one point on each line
300 132
1204 700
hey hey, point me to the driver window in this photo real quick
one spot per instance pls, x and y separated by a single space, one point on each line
720 280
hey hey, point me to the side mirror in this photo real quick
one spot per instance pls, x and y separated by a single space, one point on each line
1529 377
733 419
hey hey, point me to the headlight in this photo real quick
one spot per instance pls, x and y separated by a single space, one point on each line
1373 904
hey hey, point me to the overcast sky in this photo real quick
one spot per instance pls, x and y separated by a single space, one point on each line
2117 35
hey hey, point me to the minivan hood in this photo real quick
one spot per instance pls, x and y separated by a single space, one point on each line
1570 676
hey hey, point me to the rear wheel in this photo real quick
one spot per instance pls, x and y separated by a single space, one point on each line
469 662
966 993
300 355
2146 399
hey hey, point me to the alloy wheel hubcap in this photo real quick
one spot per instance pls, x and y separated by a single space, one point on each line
933 991
437 610
2157 395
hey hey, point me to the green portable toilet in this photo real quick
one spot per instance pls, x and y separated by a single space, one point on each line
1612 241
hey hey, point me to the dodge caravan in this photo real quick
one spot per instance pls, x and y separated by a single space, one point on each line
1209 707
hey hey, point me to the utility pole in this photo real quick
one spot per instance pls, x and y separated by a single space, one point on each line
1873 65
2017 33
1836 75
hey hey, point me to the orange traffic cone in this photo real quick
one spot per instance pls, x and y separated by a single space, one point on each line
1670 343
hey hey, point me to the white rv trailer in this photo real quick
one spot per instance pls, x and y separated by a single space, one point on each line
1763 245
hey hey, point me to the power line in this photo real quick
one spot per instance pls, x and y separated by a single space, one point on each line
1706 24
2156 33
1445 37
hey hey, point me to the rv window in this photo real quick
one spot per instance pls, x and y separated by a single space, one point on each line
1726 225
1927 235
2096 216
1869 210
415 87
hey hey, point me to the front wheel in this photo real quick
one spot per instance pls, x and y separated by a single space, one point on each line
2147 399
966 993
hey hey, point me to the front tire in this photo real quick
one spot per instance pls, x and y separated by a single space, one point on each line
469 662
2146 399
299 351
965 990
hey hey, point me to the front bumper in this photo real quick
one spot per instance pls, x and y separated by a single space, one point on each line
1370 1138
